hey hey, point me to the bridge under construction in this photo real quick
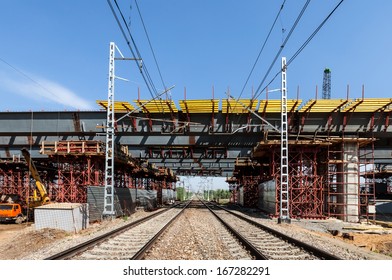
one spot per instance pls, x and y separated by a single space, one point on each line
339 151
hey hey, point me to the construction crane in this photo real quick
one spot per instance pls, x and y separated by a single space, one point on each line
43 198
327 84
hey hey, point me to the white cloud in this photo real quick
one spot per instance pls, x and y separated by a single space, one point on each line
42 90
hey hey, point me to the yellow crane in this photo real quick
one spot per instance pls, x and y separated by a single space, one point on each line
43 197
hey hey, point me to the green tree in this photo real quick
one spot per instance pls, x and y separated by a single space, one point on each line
180 193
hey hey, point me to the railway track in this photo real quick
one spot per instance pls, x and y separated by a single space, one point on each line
264 242
127 242
255 241
198 235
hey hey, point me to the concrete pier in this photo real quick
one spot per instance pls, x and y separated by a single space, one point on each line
349 183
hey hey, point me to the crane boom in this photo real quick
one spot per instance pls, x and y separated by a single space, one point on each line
38 182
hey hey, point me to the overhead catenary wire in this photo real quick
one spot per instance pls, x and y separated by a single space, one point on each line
149 42
262 48
302 47
259 55
143 69
258 92
313 34
151 48
134 49
28 77
129 45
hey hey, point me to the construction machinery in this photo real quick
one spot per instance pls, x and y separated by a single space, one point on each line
11 210
327 84
43 198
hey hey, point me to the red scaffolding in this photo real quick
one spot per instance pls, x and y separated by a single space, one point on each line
333 177
305 184
72 166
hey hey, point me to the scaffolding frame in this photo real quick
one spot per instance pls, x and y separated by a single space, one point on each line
15 180
343 163
304 177
305 193
72 166
367 192
250 190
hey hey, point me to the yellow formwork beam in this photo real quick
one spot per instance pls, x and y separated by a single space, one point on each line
157 106
324 105
200 106
266 106
369 105
274 105
234 106
119 106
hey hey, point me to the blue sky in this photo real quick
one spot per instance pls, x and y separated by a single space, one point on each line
54 54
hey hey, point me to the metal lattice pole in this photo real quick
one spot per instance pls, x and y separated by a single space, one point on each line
284 163
109 210
109 157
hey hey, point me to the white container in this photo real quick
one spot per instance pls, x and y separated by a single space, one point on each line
71 217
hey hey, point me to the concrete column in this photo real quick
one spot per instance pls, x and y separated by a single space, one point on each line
349 188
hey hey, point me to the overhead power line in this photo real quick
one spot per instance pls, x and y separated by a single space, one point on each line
133 48
258 92
149 42
305 43
313 34
28 77
262 48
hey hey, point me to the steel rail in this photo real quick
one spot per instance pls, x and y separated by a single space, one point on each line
140 254
316 251
249 246
309 248
66 254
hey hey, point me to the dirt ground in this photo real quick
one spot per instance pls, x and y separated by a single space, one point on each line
378 240
377 243
18 241
373 237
